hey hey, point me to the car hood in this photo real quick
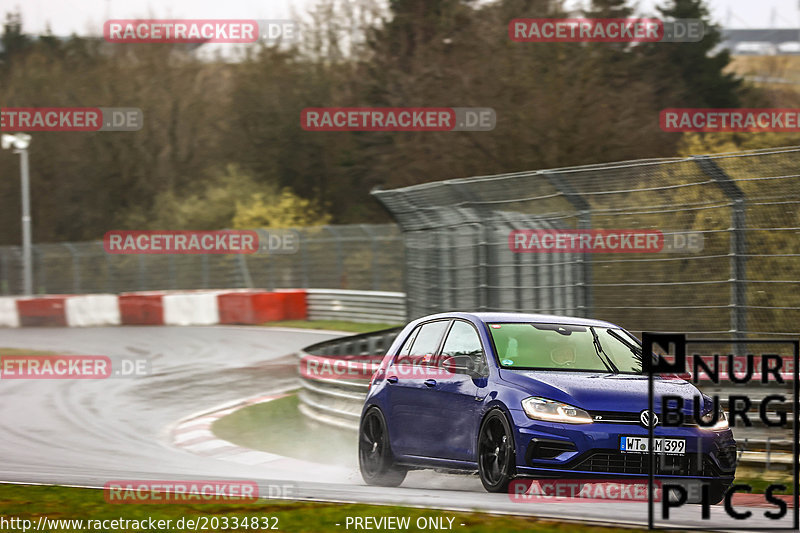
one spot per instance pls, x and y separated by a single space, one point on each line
599 391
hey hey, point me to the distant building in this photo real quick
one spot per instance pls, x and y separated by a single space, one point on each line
763 42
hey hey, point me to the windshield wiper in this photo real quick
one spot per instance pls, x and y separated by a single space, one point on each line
637 351
632 347
601 354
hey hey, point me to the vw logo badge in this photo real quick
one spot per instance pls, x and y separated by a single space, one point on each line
644 417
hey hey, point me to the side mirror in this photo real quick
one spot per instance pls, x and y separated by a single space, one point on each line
478 368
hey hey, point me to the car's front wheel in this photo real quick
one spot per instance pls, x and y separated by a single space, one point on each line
375 458
496 463
717 491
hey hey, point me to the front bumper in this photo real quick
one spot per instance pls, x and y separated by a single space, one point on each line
546 450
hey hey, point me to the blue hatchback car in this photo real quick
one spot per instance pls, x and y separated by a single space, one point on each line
535 396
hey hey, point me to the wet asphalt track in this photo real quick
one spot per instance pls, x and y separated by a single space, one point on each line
88 432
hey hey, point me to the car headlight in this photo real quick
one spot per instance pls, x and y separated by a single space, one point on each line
550 411
722 421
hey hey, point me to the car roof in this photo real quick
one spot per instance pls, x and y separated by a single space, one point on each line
490 317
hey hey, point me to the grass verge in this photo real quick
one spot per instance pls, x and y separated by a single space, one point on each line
278 427
63 503
759 479
23 351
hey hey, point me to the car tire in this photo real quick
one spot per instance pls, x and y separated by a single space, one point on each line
717 491
375 459
496 456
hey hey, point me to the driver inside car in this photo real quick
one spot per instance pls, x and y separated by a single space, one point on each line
563 356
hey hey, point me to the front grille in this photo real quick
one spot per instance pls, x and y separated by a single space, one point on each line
615 417
620 417
614 462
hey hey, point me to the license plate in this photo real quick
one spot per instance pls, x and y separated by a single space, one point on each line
661 445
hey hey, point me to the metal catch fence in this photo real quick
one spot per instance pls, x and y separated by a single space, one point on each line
729 265
356 257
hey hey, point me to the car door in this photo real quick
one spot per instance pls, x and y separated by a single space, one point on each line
412 417
452 398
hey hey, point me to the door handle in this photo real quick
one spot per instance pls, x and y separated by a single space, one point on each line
391 379
430 382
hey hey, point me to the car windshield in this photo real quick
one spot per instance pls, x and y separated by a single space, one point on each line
542 346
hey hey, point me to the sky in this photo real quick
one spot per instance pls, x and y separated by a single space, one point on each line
86 17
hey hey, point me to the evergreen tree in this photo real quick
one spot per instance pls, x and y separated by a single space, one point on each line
609 9
13 41
688 74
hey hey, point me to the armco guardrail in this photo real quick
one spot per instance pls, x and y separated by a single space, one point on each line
336 396
338 401
357 306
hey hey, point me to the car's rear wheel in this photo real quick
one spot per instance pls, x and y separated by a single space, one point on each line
496 464
375 458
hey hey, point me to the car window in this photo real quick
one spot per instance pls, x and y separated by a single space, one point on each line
545 346
563 347
428 338
619 353
462 351
406 349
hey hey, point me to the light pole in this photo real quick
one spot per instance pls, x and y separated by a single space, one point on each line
20 142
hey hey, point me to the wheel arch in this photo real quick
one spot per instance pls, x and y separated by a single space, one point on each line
497 405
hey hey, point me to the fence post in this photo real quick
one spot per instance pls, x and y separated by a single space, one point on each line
302 243
173 279
247 281
204 269
483 218
411 308
373 245
76 267
337 240
452 240
481 260
5 286
13 286
109 274
519 300
738 244
271 272
41 286
141 271
584 216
